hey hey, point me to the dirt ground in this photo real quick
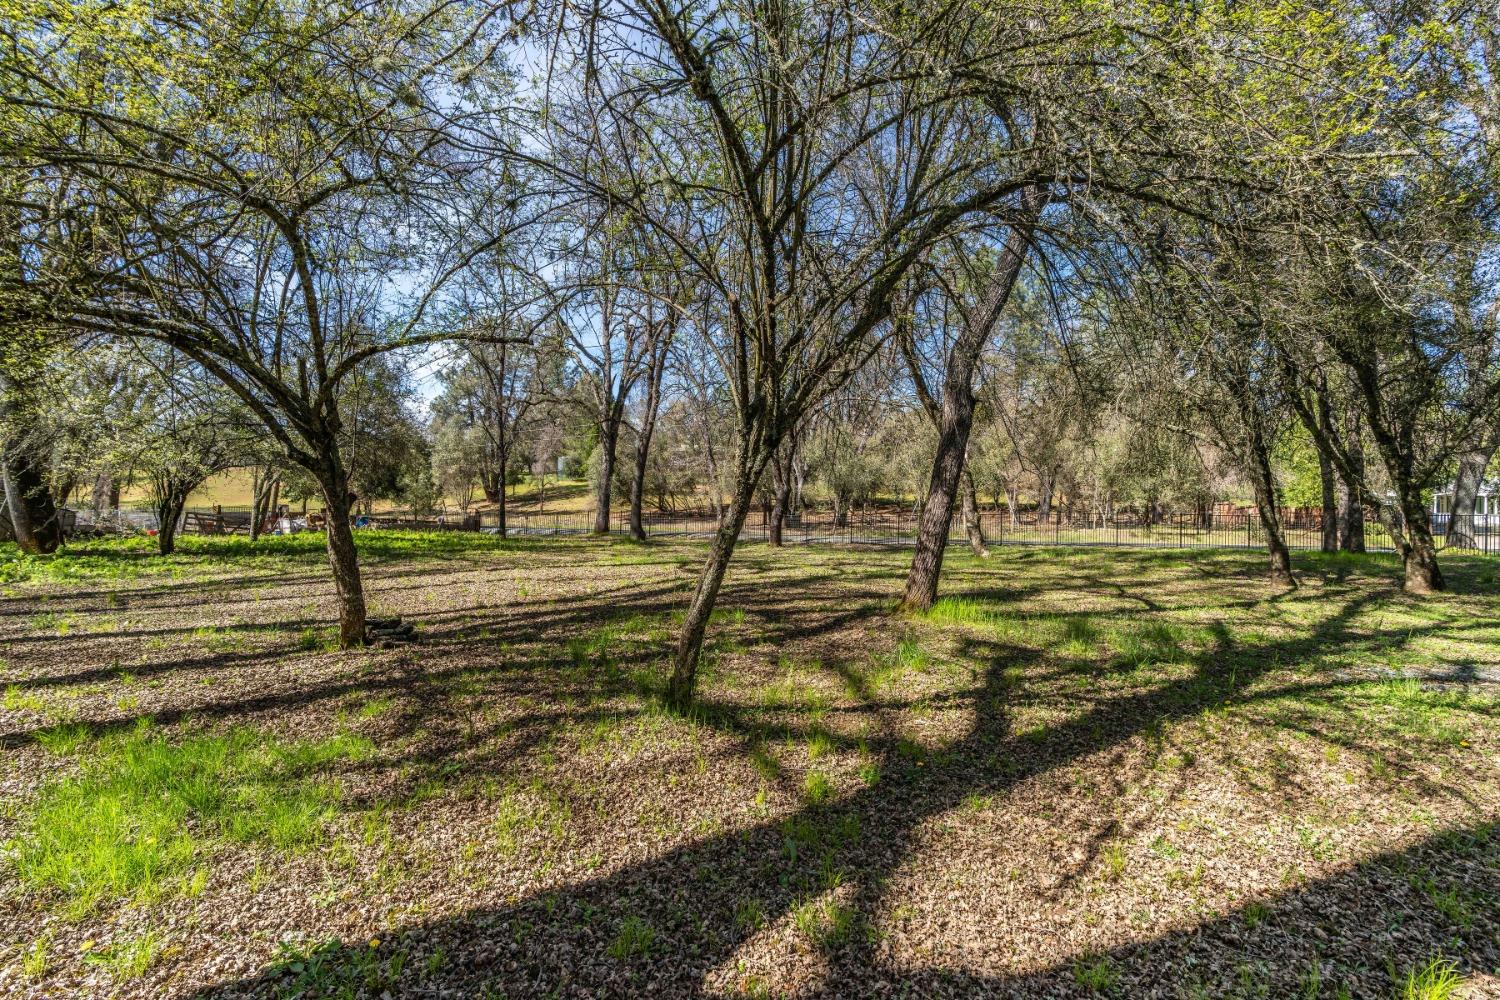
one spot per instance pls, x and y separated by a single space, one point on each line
1086 773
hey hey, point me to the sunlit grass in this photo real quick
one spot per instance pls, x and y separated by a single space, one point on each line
143 809
133 557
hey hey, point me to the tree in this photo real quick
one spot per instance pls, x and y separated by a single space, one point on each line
758 162
952 410
190 431
30 513
489 397
252 180
659 344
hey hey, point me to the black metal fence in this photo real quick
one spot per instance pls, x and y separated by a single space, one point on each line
899 528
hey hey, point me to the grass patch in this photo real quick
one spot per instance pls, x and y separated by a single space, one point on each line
961 611
142 810
634 938
136 557
128 959
18 700
1143 645
817 789
530 812
36 959
332 969
1437 980
376 707
827 923
1096 973
63 739
318 640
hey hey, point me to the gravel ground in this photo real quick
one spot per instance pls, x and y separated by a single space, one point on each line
1098 773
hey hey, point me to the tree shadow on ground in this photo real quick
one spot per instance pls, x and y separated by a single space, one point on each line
669 925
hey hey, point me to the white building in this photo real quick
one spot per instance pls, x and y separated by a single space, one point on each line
1486 507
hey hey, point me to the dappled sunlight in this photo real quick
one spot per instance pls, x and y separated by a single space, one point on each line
1069 765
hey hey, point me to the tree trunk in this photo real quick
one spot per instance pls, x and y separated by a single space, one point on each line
169 503
1351 494
778 510
1420 568
1044 497
1329 524
492 485
937 511
1472 465
343 556
257 514
1012 506
695 622
1254 454
1421 574
782 469
973 529
1328 516
954 417
1263 485
647 429
500 495
103 485
64 491
33 517
638 491
638 473
262 501
609 436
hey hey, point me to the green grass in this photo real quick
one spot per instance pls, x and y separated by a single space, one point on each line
820 743
1113 858
961 611
18 700
1437 980
36 959
142 810
817 789
63 739
749 916
220 640
376 707
635 938
1080 636
130 958
530 812
1096 973
331 969
318 640
827 923
135 557
1143 645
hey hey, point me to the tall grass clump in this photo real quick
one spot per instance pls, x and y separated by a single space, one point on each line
961 611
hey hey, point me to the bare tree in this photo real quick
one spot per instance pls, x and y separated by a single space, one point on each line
952 410
257 239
